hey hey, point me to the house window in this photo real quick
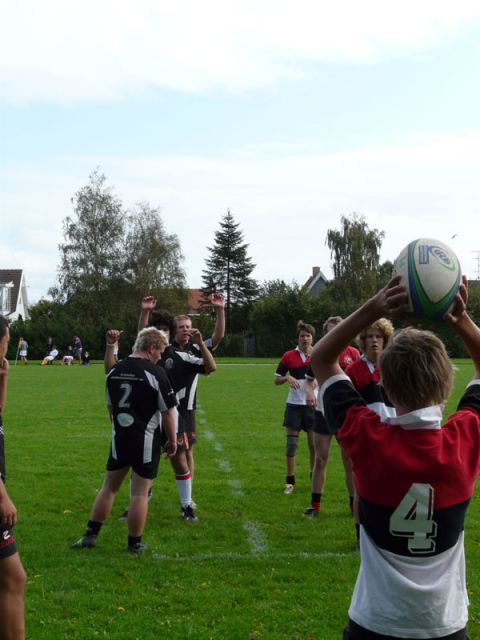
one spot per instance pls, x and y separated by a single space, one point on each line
5 299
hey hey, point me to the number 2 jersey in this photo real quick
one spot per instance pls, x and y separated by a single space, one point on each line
138 392
415 479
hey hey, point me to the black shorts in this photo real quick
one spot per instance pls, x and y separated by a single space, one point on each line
7 543
298 417
321 426
354 631
130 453
187 434
185 441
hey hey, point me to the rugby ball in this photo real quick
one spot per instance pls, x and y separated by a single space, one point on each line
431 273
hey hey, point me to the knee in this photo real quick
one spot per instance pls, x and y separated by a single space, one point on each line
321 459
13 577
292 445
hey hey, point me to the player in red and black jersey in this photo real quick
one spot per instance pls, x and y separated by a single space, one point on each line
12 574
414 477
322 437
365 377
298 415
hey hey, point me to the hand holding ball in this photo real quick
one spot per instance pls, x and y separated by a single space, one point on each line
432 275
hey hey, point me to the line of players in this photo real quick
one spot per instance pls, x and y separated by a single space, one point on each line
302 411
153 387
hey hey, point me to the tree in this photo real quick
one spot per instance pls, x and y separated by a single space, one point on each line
110 259
153 256
92 254
228 269
355 251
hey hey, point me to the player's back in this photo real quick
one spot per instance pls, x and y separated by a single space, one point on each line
137 390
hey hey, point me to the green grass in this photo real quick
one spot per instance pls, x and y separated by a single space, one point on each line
252 568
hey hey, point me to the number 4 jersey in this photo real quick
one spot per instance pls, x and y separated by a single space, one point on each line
415 479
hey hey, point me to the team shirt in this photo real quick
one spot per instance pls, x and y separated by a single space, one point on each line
138 391
296 363
415 479
348 356
182 369
365 377
189 398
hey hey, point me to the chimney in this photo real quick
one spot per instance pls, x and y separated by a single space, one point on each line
315 271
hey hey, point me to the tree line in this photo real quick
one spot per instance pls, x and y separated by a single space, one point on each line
111 257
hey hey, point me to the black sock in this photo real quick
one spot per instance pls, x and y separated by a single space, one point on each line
290 480
357 529
93 528
316 497
351 502
133 540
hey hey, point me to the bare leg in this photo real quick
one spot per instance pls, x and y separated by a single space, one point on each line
106 496
138 509
311 450
319 474
190 461
12 585
347 466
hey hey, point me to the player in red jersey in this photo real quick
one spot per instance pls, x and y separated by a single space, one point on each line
365 377
415 477
322 437
298 415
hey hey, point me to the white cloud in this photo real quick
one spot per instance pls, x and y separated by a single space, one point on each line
424 186
56 51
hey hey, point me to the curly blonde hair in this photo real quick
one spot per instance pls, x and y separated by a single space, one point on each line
384 326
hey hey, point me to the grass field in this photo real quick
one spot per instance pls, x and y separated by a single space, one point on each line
252 568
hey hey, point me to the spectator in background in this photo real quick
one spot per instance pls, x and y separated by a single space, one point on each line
85 358
78 347
51 356
22 350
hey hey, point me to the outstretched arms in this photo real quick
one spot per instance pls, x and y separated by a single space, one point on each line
112 337
148 304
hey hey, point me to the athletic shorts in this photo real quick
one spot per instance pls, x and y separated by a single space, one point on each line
129 453
7 543
185 441
354 631
321 426
298 417
187 434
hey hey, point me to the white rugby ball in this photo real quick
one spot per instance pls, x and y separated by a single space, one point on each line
431 273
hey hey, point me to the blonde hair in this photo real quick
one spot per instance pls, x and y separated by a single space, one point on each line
416 370
384 326
303 326
150 337
331 320
177 318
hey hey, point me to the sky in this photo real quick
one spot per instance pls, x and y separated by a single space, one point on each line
289 113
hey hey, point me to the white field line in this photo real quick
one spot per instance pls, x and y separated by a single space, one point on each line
268 555
256 536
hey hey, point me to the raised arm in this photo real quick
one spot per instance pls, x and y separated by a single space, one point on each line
390 300
148 304
218 302
208 360
112 337
464 326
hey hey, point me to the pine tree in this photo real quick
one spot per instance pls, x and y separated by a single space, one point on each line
228 269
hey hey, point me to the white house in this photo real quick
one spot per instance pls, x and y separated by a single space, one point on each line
316 282
13 294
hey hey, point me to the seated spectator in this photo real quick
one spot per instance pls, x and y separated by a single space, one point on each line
51 356
85 357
